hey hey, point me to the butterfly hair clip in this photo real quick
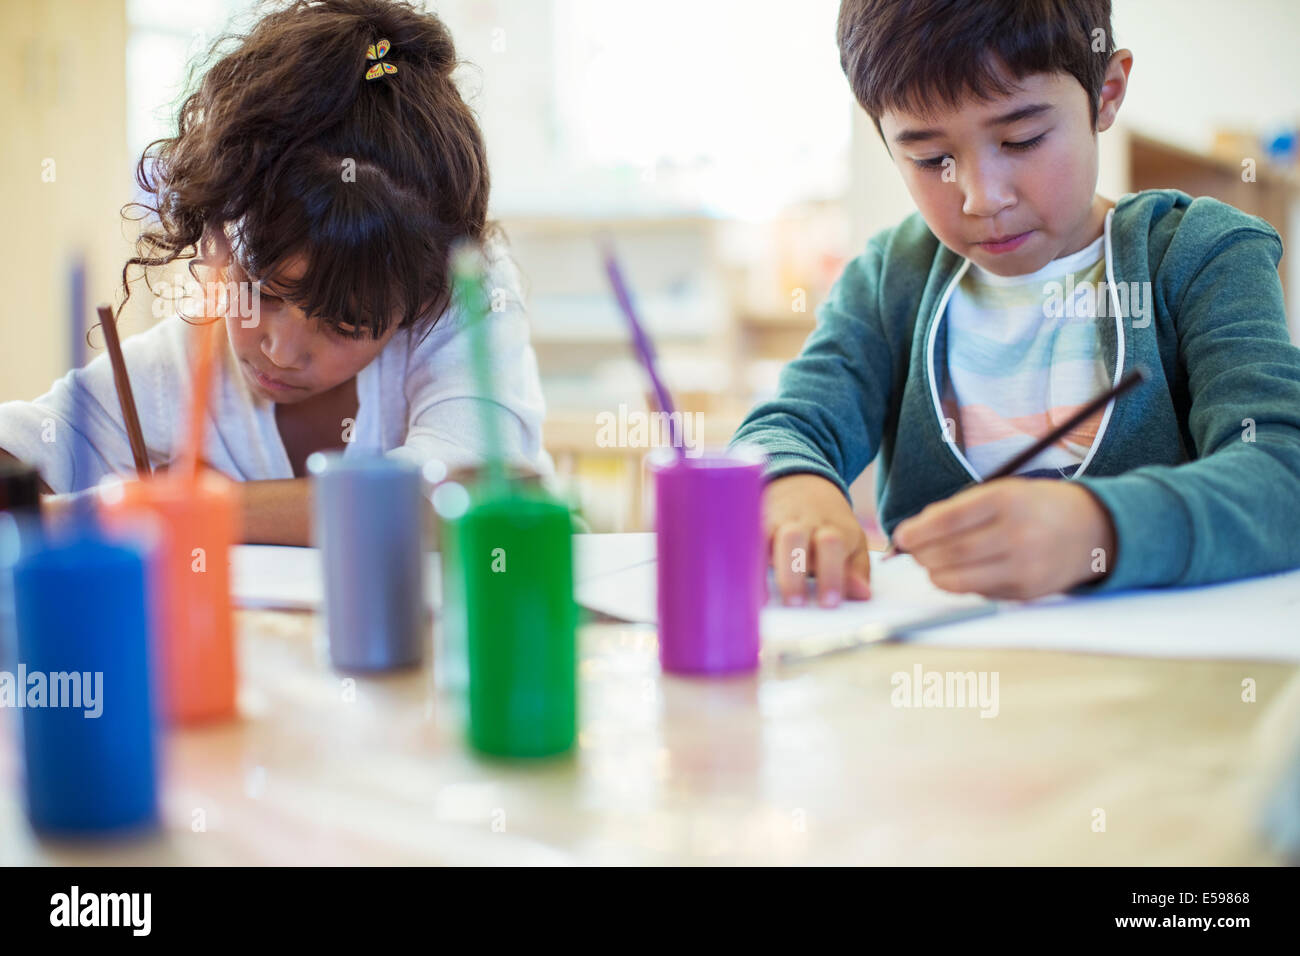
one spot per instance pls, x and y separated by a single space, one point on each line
376 52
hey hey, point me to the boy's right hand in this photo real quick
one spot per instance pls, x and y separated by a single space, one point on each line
811 529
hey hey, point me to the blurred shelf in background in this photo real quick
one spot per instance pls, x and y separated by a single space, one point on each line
1234 170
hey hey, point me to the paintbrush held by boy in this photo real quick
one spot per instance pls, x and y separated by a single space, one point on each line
1012 297
317 180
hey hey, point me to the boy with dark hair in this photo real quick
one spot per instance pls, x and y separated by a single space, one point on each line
1014 295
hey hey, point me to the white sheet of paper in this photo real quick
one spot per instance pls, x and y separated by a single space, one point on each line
624 587
271 577
283 578
597 555
1251 619
901 592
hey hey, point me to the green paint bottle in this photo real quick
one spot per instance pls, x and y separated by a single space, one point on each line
515 556
512 587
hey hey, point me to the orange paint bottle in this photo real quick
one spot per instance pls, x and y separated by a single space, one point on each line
193 511
196 521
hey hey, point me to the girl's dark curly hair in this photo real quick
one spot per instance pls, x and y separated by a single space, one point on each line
287 148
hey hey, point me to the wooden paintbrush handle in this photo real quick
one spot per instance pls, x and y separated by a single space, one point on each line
125 398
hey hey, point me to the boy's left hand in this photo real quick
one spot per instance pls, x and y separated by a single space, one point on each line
1015 538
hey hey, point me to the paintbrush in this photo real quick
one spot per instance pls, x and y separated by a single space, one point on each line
1136 376
124 396
193 451
83 508
641 342
467 284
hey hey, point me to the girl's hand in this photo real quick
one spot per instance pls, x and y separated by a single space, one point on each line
1012 538
810 529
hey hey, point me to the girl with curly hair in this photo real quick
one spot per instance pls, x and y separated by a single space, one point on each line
319 174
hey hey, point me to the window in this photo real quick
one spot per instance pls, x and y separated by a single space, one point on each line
731 108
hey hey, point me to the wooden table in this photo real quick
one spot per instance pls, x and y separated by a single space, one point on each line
808 765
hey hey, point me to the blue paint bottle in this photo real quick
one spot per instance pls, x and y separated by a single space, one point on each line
83 637
81 684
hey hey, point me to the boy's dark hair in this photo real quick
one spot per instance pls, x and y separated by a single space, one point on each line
286 142
916 55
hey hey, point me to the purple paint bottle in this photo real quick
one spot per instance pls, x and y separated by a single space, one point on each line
711 568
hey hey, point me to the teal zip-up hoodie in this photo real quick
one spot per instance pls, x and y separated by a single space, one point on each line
1199 467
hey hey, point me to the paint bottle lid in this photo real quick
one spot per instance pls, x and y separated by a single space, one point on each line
20 487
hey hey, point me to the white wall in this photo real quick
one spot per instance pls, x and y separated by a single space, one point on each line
63 177
1202 63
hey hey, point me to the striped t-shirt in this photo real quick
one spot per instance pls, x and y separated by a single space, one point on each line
1021 358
